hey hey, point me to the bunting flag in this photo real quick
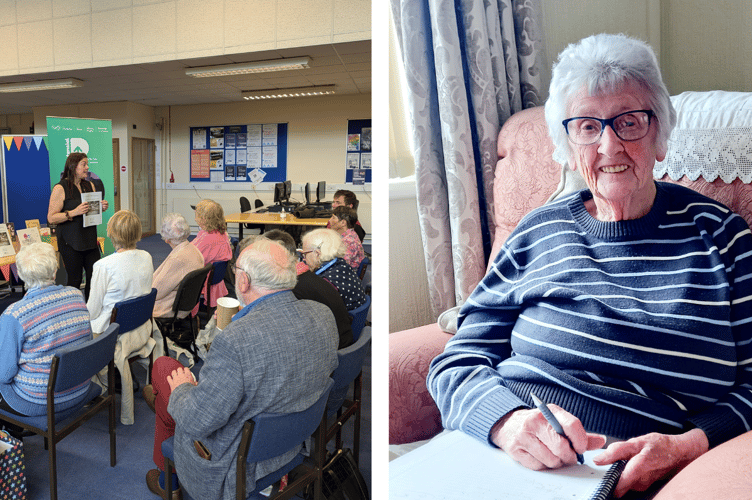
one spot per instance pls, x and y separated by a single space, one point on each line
8 141
27 142
18 141
38 140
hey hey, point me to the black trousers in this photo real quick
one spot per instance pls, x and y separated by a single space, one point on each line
76 263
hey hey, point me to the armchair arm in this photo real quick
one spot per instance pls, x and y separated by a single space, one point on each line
413 414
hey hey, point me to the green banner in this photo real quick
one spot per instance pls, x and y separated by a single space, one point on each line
92 137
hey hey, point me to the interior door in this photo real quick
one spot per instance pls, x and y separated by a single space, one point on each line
116 173
143 192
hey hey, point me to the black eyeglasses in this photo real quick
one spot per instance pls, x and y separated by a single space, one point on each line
629 126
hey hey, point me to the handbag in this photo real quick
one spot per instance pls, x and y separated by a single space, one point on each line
342 479
12 478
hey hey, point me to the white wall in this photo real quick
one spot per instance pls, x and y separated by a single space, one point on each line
57 35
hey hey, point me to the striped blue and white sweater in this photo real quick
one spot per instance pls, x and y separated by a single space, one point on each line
31 330
633 326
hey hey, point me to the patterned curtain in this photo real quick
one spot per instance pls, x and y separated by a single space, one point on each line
469 64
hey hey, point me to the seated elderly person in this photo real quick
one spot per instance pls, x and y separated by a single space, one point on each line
343 221
47 318
275 356
183 259
625 306
323 251
125 274
214 244
313 287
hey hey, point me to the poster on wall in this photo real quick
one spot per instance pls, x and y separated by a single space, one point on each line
92 137
230 153
358 154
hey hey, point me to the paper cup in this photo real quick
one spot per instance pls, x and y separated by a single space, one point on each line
226 308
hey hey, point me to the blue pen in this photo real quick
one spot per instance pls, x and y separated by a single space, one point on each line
554 423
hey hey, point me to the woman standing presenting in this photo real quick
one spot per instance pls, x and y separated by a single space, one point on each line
77 244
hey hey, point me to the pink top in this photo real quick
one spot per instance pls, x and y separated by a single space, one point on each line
354 252
215 247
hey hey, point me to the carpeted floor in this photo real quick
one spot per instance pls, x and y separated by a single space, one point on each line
83 470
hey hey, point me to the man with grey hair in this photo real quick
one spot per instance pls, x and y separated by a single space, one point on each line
275 356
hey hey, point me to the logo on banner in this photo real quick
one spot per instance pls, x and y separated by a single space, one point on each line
76 145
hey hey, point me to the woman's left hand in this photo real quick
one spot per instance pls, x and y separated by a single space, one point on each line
105 205
653 457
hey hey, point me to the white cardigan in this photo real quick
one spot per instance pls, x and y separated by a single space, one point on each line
120 276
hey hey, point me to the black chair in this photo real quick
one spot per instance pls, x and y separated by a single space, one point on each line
187 297
269 435
72 366
360 232
349 370
245 206
363 267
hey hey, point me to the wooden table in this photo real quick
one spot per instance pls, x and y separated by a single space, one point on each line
274 218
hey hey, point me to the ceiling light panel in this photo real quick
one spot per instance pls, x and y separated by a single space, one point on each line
252 67
67 83
292 92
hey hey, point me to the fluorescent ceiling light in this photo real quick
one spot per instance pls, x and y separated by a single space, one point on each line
252 67
66 83
294 92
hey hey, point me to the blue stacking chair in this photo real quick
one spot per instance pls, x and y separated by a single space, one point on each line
132 313
349 370
359 316
268 435
70 367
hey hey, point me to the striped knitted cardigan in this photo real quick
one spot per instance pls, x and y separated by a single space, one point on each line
31 330
634 326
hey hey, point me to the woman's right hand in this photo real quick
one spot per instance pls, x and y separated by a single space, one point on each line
530 440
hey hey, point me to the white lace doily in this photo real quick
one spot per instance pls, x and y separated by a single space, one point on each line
710 153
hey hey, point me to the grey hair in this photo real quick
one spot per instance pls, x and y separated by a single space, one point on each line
600 64
327 243
37 264
265 269
175 228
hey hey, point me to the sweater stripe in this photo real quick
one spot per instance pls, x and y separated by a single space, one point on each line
649 316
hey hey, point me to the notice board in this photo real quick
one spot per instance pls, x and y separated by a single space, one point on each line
239 153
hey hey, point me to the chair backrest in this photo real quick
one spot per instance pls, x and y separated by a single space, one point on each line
218 271
362 267
245 205
350 363
189 289
79 363
272 434
258 203
359 316
132 313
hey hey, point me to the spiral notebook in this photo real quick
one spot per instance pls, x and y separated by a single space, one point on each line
456 466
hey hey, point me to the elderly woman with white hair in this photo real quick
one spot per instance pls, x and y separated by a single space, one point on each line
183 259
324 252
47 318
625 306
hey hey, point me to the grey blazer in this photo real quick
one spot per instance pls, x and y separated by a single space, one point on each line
276 358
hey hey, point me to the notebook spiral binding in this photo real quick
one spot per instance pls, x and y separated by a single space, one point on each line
608 482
